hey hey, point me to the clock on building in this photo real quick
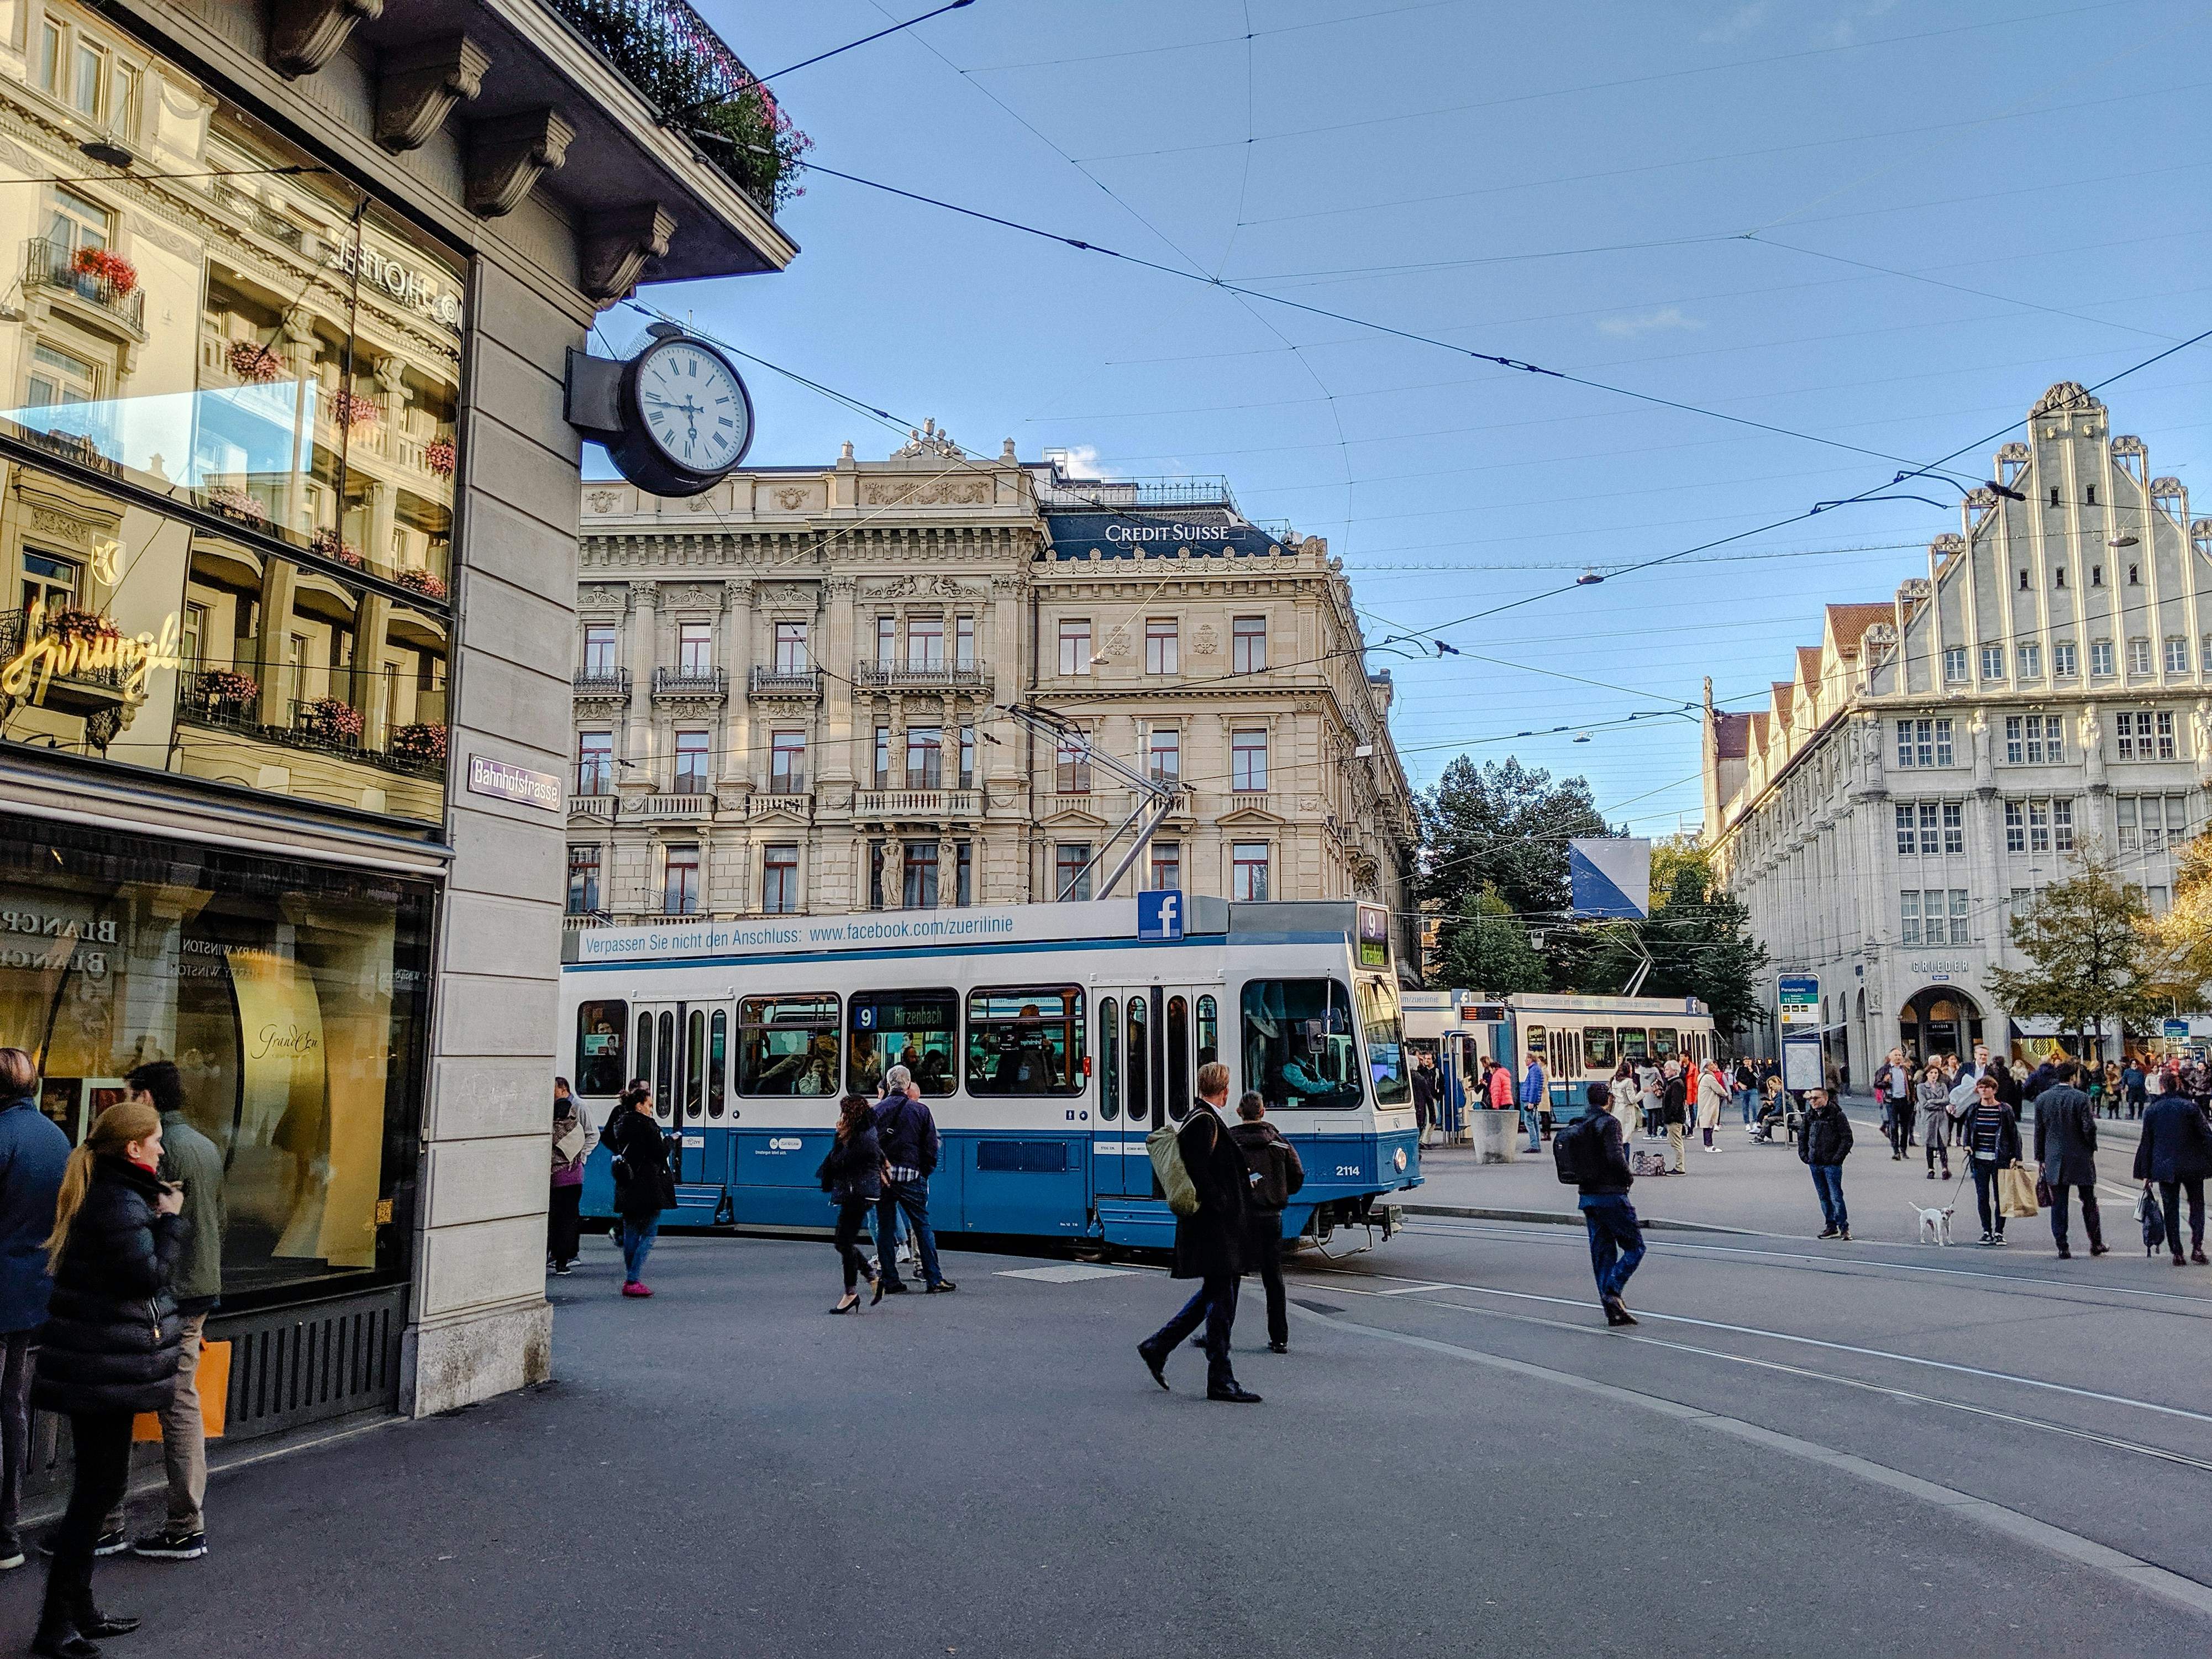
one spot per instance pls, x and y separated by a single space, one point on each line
675 419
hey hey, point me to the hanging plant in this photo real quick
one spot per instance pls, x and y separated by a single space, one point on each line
354 409
429 585
333 717
438 456
332 545
220 688
112 268
254 363
240 504
423 743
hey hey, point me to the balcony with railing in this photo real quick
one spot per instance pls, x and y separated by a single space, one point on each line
875 675
602 685
931 804
371 719
801 682
691 685
112 293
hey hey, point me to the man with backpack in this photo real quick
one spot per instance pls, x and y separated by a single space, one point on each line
1201 1167
1591 1159
1277 1175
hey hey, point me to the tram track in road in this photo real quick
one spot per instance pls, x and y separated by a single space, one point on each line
1848 1267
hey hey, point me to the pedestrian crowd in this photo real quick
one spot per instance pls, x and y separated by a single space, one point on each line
111 1259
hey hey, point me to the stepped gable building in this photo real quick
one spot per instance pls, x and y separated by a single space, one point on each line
1939 756
786 695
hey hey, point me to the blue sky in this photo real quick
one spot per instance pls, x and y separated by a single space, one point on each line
1883 226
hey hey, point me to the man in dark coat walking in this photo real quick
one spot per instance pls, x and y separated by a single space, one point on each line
1824 1141
1277 1174
2066 1147
1209 1246
1616 1239
2176 1152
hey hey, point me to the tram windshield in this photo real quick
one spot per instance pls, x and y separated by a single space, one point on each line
788 1045
1025 1040
912 1029
1381 1024
1298 1046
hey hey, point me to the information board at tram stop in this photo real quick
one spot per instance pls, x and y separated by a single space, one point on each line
2177 1031
1801 1065
1797 1000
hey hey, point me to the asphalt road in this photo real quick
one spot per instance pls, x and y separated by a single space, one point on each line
1802 1450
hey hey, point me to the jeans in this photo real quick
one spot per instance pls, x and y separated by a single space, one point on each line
1263 1244
2092 1223
2170 1191
1616 1241
563 1224
852 1218
184 1440
638 1233
18 1359
1529 1121
1744 1100
1828 1183
1985 1204
100 1450
1214 1305
911 1198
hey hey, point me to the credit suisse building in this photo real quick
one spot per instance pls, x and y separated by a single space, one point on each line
286 535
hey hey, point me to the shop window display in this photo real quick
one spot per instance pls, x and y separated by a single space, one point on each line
293 998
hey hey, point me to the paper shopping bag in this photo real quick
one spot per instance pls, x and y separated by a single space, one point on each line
213 1380
2016 1192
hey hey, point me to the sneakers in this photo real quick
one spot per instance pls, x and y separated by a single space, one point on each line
11 1552
1831 1232
561 1268
173 1544
1278 1348
113 1541
636 1288
941 1287
1843 1234
1989 1238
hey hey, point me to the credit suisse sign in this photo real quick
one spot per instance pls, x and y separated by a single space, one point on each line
1130 535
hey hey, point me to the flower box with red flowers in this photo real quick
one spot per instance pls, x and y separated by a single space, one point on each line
424 583
332 545
107 266
220 688
438 456
332 719
238 504
254 363
423 743
353 409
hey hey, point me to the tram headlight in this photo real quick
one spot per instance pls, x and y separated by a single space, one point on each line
1398 1160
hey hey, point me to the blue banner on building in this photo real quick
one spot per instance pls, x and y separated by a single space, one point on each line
1154 532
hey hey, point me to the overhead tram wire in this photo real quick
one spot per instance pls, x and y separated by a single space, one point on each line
1512 364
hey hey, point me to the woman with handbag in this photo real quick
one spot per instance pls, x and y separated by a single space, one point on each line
1990 1134
852 1173
644 1184
109 1348
572 1145
1934 1108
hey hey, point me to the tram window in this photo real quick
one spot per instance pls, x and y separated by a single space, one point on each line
1141 1060
645 1049
1665 1043
1178 1040
599 1047
1298 1042
1025 1040
1566 1054
788 1045
694 1065
1597 1047
1381 1023
664 1086
1209 1031
1632 1045
717 1063
912 1029
1110 1059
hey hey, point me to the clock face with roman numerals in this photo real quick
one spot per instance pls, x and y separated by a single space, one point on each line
694 407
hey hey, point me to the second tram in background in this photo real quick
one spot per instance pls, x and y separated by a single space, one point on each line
1580 1040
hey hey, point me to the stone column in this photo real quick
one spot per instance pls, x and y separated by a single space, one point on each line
836 763
642 640
279 578
737 657
371 691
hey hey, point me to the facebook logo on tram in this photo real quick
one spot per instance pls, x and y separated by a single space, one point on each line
1159 915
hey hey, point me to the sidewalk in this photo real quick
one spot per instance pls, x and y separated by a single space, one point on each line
1761 1186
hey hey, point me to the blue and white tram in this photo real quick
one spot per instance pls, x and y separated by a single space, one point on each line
1049 1040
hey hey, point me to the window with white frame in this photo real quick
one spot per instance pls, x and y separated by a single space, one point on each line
780 879
1074 645
1163 755
1160 653
1249 648
695 649
1954 664
1924 743
1954 828
1247 762
2138 656
2035 740
2031 659
787 764
2015 826
2062 662
1249 872
2100 656
680 883
791 657
2038 826
599 650
2176 655
1961 918
2062 826
925 642
1071 769
2145 734
692 762
1993 662
1908 918
2147 824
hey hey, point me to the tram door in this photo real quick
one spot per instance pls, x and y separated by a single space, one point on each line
683 1050
1151 1040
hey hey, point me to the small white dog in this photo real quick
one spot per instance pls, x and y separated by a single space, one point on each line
1935 1224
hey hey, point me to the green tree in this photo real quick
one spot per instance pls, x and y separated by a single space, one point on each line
2089 957
1504 827
1699 937
1485 948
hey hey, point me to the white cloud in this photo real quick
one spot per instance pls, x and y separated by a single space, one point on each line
1079 460
1741 22
1667 317
1844 31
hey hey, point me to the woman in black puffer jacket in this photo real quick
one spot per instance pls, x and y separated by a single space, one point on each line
853 1175
109 1348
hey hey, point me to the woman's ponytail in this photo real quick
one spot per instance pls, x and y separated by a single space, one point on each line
114 1130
